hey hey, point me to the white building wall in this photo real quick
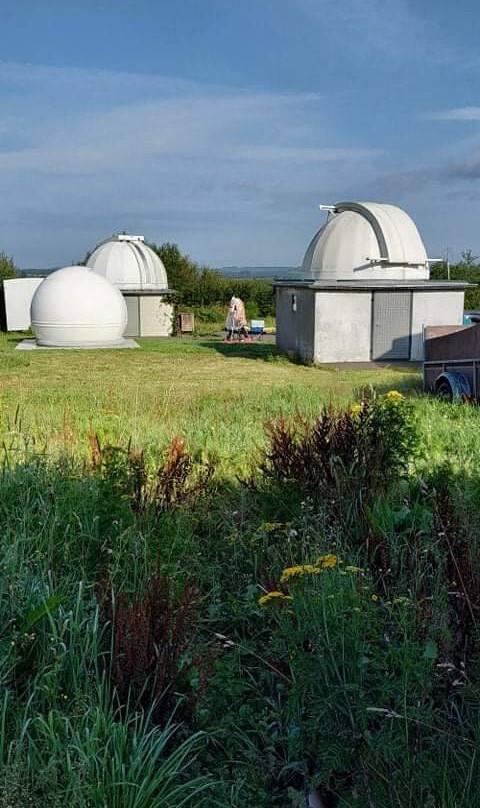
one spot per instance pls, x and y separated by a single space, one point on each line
18 298
433 308
342 326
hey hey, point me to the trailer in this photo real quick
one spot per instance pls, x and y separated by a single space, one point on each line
451 369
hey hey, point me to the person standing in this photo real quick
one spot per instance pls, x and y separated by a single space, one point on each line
236 322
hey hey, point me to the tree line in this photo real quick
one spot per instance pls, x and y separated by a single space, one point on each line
202 286
467 269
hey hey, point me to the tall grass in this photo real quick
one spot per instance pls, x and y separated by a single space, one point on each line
364 686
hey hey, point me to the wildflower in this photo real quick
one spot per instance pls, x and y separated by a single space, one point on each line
322 563
355 409
270 527
276 596
354 570
299 570
374 598
327 561
394 396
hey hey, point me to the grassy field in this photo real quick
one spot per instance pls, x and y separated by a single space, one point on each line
217 396
247 618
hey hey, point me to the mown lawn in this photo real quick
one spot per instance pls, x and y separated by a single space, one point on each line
217 396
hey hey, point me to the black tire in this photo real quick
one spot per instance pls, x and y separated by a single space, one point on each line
444 391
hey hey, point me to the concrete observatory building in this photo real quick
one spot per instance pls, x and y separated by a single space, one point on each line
137 271
366 292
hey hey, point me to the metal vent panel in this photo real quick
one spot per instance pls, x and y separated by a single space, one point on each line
391 325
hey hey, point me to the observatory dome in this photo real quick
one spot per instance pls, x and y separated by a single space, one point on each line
75 307
365 240
129 263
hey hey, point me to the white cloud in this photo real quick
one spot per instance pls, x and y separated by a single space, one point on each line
389 27
457 114
88 152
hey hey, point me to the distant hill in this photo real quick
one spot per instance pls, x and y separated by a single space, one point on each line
261 272
265 273
37 273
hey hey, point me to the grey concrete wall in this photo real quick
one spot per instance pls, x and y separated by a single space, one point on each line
433 308
295 322
343 326
156 316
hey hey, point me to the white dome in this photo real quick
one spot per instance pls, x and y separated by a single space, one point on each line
75 307
129 263
366 240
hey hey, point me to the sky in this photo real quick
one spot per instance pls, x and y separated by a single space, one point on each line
221 125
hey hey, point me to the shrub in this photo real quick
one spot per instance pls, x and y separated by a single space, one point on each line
361 451
125 478
151 647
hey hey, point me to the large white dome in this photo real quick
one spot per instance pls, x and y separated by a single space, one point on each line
75 307
129 263
365 240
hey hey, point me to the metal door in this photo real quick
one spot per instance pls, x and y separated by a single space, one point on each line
391 325
133 312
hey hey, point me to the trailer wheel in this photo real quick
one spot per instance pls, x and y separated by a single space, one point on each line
444 391
453 387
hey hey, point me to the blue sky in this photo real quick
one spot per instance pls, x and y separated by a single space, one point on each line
221 124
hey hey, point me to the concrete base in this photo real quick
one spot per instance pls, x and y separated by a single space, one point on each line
32 345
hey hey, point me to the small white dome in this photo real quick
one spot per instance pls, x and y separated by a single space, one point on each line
75 307
129 263
365 240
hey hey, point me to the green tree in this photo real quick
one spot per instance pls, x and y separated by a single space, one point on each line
203 286
183 273
469 260
7 267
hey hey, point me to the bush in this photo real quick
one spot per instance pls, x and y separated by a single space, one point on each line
8 268
359 453
150 648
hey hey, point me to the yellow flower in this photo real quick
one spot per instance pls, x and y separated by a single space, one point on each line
326 561
374 598
394 395
355 409
269 527
300 569
352 569
323 563
273 596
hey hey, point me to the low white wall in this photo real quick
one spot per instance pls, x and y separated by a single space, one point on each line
342 326
433 308
18 298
